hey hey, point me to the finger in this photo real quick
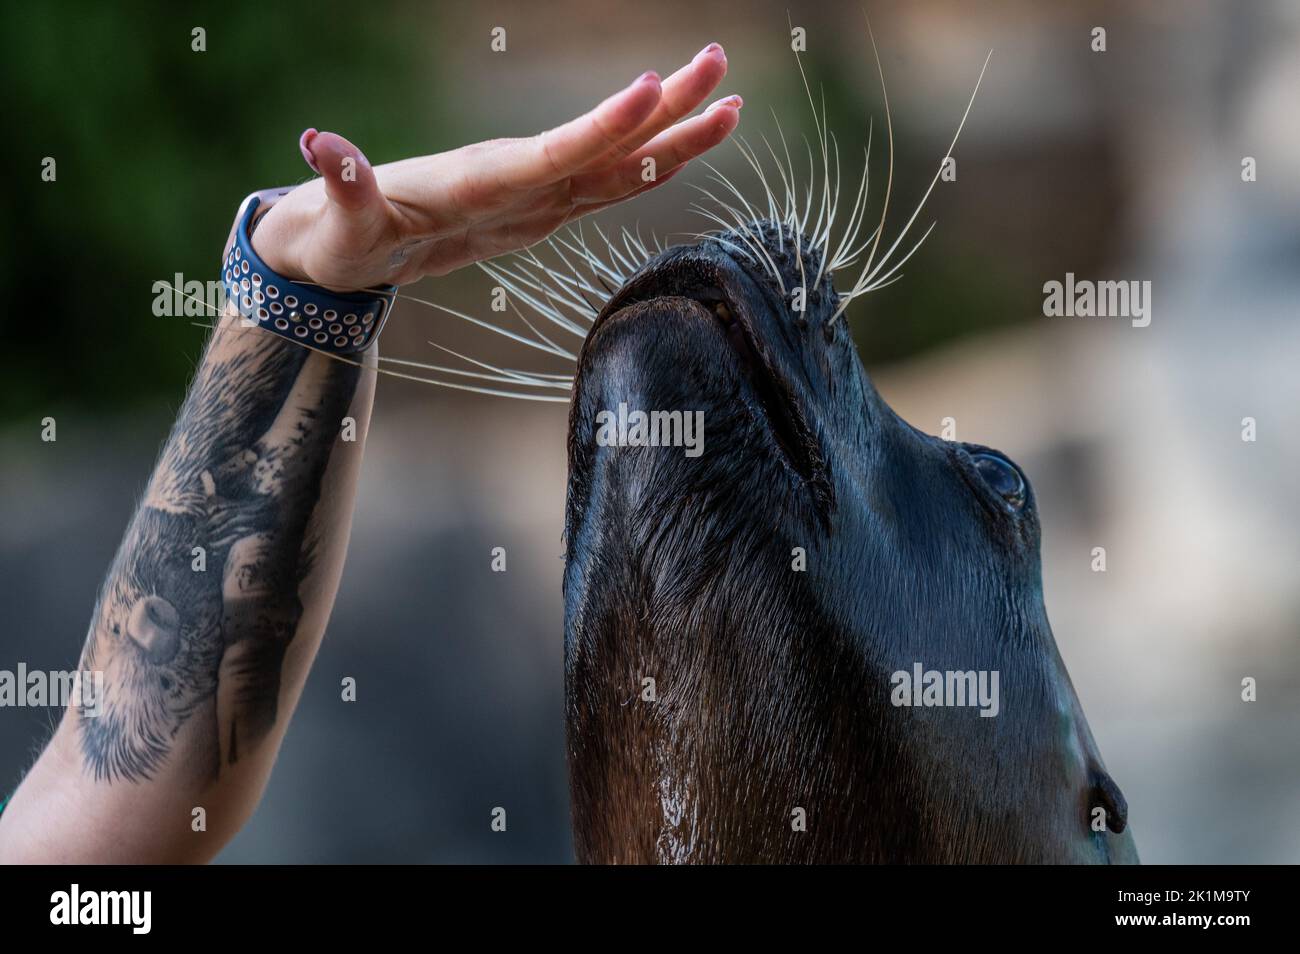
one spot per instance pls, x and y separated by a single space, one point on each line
351 212
682 93
559 152
349 180
670 149
356 214
588 209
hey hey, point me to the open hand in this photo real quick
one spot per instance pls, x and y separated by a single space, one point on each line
359 226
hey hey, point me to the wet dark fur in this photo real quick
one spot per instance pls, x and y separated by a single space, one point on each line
773 685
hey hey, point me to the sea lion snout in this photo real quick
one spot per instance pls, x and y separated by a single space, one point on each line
155 626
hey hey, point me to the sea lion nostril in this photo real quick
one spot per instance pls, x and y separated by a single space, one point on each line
1105 794
154 626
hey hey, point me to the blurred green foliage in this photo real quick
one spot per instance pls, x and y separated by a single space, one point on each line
156 145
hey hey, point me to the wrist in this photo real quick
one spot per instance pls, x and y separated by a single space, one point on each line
337 322
271 236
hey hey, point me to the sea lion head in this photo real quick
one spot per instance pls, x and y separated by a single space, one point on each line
744 618
156 639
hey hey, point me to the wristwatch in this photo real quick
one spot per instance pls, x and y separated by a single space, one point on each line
330 321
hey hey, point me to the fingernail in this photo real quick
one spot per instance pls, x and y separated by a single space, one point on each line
732 100
647 75
332 150
709 49
304 146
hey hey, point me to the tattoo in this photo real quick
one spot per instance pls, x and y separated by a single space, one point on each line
240 477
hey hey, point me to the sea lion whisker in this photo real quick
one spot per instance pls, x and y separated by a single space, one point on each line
889 180
726 226
633 248
580 281
832 203
558 244
495 392
858 216
792 202
597 265
531 327
642 240
800 226
716 237
880 285
388 372
461 372
410 377
785 214
597 268
939 171
827 139
614 252
515 285
821 142
633 244
551 284
835 193
854 254
812 179
600 266
546 398
868 274
823 206
741 229
719 177
744 224
505 332
792 214
627 262
654 237
876 284
536 380
560 285
752 158
581 287
767 192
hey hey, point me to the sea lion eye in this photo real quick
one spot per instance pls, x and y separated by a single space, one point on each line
1004 479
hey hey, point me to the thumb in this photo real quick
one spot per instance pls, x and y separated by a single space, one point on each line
350 181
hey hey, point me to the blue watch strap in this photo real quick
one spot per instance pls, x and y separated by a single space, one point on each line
335 322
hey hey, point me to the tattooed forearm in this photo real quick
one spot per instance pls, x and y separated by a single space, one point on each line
202 600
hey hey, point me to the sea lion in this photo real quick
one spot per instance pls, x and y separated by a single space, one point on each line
725 703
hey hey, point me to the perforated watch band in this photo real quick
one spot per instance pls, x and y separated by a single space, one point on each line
336 322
